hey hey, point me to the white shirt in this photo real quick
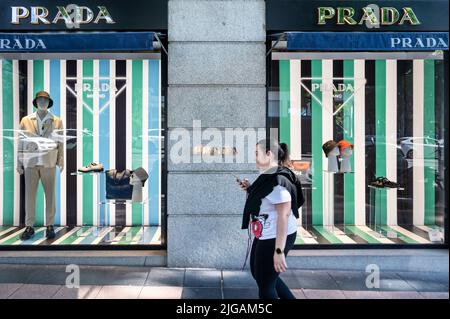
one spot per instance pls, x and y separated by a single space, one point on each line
279 195
41 122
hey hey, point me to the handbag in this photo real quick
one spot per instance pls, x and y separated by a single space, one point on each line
118 184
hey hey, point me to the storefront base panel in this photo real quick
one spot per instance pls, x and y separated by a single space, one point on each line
83 236
135 258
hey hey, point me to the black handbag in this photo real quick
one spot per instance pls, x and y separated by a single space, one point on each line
118 184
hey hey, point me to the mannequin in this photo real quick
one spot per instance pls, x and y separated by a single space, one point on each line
332 160
39 127
331 150
137 179
346 150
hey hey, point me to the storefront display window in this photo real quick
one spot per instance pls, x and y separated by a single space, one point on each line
106 118
366 133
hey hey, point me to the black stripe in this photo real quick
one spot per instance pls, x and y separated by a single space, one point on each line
356 238
23 106
306 135
71 150
338 135
370 129
121 133
404 129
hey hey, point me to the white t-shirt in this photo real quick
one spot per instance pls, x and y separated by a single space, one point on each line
279 195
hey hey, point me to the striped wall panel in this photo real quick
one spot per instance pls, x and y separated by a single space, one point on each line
111 110
392 99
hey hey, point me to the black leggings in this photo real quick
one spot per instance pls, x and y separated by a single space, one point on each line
270 285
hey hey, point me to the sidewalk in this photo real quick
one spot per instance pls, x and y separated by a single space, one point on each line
32 281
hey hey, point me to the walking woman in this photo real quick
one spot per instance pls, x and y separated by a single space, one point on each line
272 207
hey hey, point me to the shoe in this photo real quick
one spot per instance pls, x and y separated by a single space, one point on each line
28 233
92 167
50 232
383 182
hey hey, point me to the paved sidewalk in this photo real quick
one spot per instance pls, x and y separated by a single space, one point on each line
31 281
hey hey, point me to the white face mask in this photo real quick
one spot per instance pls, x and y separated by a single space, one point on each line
42 103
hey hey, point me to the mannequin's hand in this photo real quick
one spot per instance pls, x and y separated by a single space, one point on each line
19 170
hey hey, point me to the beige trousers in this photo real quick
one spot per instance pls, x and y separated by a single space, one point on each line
47 177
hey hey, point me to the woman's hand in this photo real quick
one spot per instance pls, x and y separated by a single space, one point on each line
244 184
279 262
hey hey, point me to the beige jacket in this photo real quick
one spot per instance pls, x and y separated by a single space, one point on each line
49 153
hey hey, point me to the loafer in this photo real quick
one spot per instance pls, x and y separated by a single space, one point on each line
92 167
50 232
28 233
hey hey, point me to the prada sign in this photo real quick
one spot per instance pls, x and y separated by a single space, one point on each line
72 15
371 16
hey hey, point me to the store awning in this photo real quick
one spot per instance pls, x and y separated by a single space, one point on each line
374 41
76 42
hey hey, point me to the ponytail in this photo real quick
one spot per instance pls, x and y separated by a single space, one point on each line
281 150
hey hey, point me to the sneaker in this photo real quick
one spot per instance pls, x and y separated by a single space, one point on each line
92 167
28 233
50 232
383 182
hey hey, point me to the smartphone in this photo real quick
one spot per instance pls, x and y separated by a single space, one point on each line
238 179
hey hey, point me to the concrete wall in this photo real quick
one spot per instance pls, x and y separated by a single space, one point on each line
216 74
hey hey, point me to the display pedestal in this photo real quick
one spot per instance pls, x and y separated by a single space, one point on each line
376 210
306 192
104 209
328 202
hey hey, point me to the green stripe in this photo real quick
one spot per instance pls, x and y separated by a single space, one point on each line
328 235
74 236
136 131
429 123
285 86
380 129
88 144
8 145
400 236
133 231
299 240
316 137
358 232
38 85
349 179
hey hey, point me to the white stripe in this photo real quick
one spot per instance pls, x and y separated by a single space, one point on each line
1 142
159 143
157 237
83 236
145 93
120 236
342 236
12 235
96 141
370 232
37 242
112 131
62 106
101 235
295 110
30 88
418 161
138 236
359 142
306 236
410 234
6 230
391 138
79 86
128 131
46 64
16 108
327 134
65 236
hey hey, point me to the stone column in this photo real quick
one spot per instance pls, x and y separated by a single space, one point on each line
216 75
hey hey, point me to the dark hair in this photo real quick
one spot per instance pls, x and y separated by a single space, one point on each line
280 149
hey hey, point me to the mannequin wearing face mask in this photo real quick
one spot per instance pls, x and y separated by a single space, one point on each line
40 151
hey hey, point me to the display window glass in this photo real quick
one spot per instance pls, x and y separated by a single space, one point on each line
91 164
366 135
